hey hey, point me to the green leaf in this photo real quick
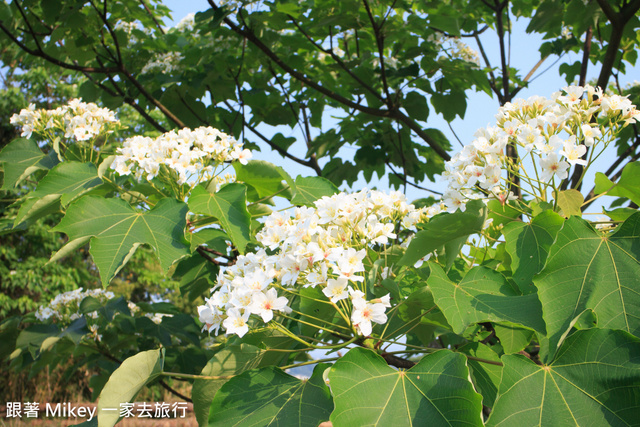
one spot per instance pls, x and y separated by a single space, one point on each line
269 397
443 229
289 8
115 230
125 383
232 360
310 189
196 274
69 179
416 106
483 295
21 157
594 381
212 237
450 105
35 208
528 245
589 270
628 185
570 201
265 177
229 206
620 214
512 338
436 391
485 376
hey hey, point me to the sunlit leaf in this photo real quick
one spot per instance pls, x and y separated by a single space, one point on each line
593 381
590 270
229 206
125 383
436 391
483 295
115 230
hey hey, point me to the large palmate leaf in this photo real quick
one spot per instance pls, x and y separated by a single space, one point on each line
229 206
269 397
483 295
436 391
528 245
232 360
444 229
115 230
68 179
21 158
590 270
593 381
125 383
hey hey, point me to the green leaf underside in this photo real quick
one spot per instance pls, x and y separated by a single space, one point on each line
444 229
70 179
34 208
20 158
528 245
125 383
116 229
594 381
588 270
269 397
570 201
232 360
436 391
483 295
310 189
229 206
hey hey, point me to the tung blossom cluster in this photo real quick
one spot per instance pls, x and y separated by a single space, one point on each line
553 134
79 120
166 63
64 308
323 247
192 155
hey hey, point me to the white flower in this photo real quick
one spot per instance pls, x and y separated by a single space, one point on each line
364 313
263 304
236 323
336 289
574 152
590 133
552 166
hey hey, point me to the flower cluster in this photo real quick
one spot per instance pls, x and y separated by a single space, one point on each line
554 133
64 308
81 120
455 48
325 247
192 155
166 63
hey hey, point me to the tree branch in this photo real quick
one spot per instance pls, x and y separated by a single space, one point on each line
336 97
